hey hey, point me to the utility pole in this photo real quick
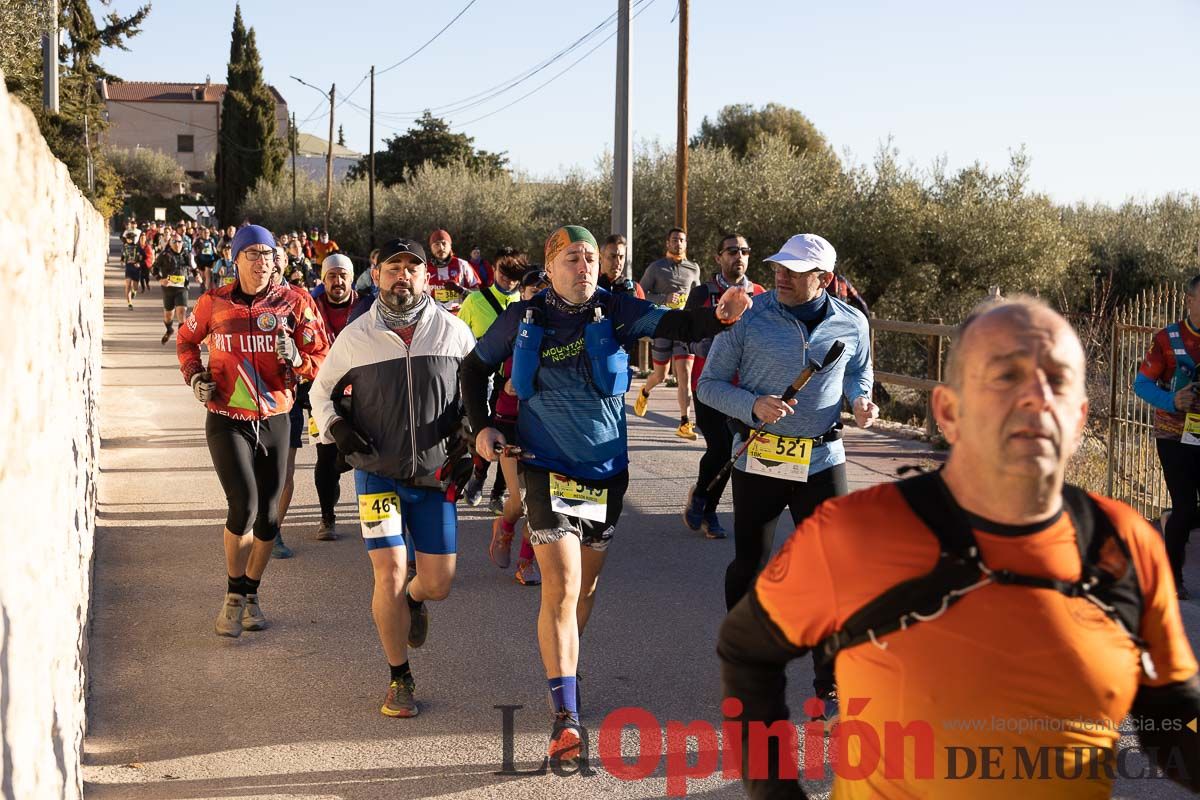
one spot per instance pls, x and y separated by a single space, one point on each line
681 143
329 160
87 143
294 136
622 185
371 164
50 62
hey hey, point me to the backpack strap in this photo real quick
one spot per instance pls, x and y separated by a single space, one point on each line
490 296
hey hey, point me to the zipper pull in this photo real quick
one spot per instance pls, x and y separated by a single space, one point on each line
597 314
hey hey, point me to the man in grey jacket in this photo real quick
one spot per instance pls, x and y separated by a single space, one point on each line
799 461
667 282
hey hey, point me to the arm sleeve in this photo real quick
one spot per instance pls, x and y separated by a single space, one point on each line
696 297
336 364
716 388
191 333
860 375
1162 714
1153 394
754 659
693 325
473 376
311 339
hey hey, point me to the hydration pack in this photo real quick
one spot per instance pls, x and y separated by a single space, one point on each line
607 361
1185 366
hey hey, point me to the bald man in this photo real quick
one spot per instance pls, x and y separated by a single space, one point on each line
1004 637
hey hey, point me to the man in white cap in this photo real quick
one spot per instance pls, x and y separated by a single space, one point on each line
799 461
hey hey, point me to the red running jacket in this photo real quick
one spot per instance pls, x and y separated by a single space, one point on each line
252 382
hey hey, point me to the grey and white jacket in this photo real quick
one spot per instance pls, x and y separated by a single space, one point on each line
404 399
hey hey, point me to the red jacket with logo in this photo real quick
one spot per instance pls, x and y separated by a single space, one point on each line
252 382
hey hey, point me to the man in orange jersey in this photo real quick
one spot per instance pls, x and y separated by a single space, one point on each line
1012 683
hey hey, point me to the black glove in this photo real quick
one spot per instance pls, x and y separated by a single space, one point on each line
349 441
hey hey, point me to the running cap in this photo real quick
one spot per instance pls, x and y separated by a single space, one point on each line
566 236
337 261
534 276
439 236
397 246
251 234
805 252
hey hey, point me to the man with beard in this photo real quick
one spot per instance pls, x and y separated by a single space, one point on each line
667 282
402 358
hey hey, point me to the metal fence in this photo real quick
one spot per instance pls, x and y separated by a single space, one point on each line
1134 474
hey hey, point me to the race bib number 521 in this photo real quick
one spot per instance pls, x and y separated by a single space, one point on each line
783 457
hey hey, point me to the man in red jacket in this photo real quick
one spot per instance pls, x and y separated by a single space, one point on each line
262 338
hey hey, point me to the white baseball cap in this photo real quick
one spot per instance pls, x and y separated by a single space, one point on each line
337 261
805 252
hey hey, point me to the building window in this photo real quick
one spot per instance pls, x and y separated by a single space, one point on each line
185 144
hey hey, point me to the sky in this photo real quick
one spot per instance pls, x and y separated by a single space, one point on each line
1103 97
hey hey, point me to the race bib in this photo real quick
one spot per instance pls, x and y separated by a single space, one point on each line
175 280
228 281
783 457
382 507
445 295
680 303
312 427
1191 429
571 498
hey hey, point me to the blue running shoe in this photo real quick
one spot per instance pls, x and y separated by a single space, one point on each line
693 512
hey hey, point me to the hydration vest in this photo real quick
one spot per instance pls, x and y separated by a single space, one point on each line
960 570
1185 365
607 361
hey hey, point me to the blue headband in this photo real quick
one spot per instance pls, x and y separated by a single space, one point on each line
251 234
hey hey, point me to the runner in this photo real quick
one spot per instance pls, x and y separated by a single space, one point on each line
1167 380
504 419
700 512
801 461
260 338
172 268
224 271
479 311
146 246
450 278
612 268
481 266
205 251
1049 657
403 358
668 281
131 256
571 374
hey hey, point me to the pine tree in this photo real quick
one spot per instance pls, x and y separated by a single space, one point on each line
341 140
249 146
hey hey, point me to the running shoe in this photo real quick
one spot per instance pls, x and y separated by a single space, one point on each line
279 549
252 616
500 549
830 713
418 626
693 512
671 382
400 701
327 531
229 620
474 491
566 739
496 505
528 573
685 431
131 306
712 526
166 337
640 403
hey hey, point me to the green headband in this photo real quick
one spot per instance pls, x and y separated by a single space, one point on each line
564 237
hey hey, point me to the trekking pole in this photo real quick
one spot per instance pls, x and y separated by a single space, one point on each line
835 352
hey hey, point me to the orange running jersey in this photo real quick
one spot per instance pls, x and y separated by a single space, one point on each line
1007 667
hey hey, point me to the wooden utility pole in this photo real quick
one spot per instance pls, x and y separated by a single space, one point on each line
295 134
50 62
622 185
371 164
329 159
681 143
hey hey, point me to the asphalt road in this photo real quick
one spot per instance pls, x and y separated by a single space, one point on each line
293 712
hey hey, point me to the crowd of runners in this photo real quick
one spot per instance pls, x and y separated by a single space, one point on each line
426 368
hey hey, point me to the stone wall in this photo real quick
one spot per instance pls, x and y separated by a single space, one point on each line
51 273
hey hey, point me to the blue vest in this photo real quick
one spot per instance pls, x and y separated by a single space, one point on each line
607 361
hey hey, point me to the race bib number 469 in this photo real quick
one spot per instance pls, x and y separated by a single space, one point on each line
784 457
573 499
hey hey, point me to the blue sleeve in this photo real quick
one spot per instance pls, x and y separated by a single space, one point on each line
859 377
634 318
1154 394
715 387
496 345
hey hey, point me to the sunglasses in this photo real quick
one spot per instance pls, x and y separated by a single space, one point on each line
733 251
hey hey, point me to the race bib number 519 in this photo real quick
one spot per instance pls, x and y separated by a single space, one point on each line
573 499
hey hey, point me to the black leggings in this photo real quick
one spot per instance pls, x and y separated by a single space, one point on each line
327 474
252 470
758 501
1181 469
718 447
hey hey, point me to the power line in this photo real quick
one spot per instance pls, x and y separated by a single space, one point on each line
413 54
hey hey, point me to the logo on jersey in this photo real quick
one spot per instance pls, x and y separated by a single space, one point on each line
266 322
